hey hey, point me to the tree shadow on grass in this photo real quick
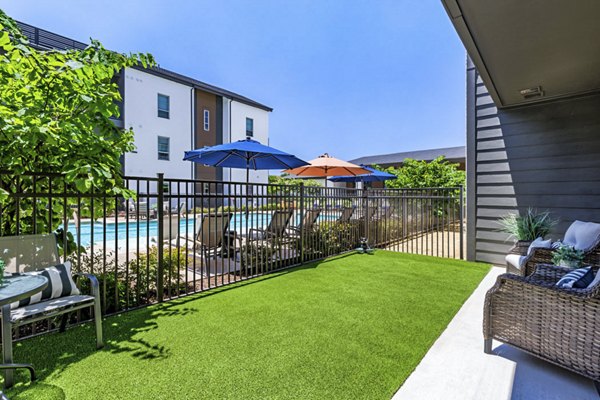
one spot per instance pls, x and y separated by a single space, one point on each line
39 391
51 354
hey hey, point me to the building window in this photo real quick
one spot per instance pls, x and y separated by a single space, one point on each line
206 120
163 148
249 127
163 106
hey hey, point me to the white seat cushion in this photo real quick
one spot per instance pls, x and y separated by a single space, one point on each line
515 260
48 306
582 235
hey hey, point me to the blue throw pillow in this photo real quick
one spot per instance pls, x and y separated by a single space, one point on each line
579 278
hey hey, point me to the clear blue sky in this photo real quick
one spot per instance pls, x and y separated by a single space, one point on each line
351 78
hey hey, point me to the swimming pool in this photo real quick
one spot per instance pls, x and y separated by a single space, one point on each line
147 230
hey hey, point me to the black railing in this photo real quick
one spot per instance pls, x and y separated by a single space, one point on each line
44 39
174 237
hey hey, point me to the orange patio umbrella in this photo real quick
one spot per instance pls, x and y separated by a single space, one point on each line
325 166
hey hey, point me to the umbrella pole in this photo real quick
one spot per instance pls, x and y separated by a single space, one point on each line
326 198
247 187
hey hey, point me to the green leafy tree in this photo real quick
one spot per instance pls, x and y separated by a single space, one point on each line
55 117
439 173
291 184
285 186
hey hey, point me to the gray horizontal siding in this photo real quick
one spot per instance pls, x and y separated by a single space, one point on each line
545 156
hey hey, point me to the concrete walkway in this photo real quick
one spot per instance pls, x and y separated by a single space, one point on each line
457 368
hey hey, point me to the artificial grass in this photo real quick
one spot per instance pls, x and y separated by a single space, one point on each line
350 327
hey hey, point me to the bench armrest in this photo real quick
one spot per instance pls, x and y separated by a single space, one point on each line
94 284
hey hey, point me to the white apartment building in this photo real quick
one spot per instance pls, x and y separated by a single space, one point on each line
171 113
246 121
160 113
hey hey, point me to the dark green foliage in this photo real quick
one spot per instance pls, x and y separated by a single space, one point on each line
134 281
439 173
55 117
330 238
286 185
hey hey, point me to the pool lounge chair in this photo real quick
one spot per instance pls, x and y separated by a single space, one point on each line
173 210
275 241
369 214
346 215
181 209
383 213
142 210
210 235
277 228
214 245
308 222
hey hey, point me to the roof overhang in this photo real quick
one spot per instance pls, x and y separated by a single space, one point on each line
531 51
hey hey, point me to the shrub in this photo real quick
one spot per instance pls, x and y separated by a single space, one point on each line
529 226
331 238
258 255
173 262
132 283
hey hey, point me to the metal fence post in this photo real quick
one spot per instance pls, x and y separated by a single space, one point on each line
161 235
302 223
461 214
366 212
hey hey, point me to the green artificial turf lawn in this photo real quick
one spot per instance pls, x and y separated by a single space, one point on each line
350 327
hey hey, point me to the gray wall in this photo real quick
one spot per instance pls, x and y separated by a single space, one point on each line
545 156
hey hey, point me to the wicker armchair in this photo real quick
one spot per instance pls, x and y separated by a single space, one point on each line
556 324
544 256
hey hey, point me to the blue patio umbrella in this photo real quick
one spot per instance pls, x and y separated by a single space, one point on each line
247 153
374 176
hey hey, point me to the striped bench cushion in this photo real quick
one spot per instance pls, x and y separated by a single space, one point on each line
60 284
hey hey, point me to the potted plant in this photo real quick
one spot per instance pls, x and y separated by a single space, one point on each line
527 227
567 256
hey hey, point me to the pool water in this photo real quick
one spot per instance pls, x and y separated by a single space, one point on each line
147 230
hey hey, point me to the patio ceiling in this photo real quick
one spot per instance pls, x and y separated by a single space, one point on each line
518 45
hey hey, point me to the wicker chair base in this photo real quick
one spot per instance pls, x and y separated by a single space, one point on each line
555 324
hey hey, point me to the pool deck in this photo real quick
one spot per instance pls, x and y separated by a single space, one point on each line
457 368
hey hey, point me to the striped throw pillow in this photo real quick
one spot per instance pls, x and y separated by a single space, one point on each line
60 284
579 278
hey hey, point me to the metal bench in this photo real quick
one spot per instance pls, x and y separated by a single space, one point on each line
29 253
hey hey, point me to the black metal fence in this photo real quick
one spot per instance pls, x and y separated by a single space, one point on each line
172 237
